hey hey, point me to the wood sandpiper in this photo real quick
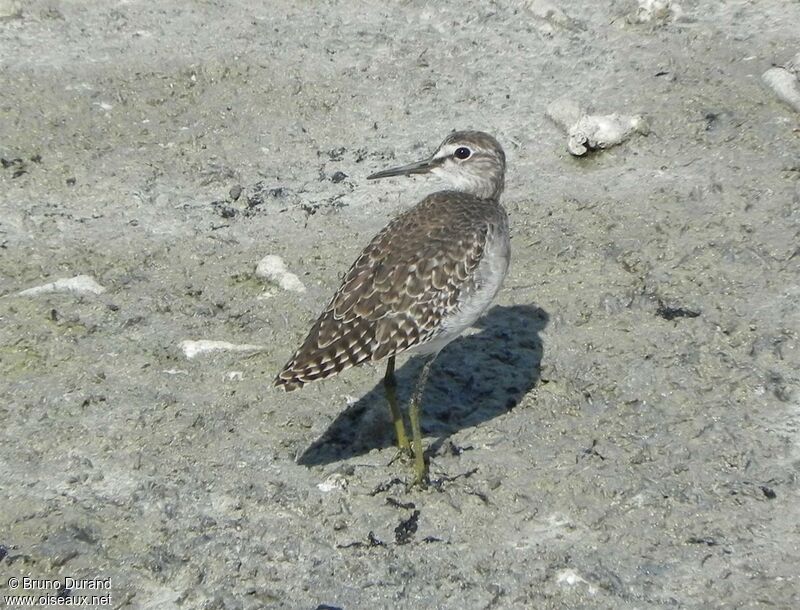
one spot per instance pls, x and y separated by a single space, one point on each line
420 282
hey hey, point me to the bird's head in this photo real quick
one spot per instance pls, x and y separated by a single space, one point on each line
471 161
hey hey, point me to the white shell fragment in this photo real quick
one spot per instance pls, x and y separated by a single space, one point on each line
587 132
195 348
570 578
10 9
334 482
655 10
273 269
785 82
549 12
594 132
80 285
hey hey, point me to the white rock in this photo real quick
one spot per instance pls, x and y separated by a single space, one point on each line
273 269
785 82
587 132
656 10
195 348
10 9
80 284
593 132
549 11
332 483
570 578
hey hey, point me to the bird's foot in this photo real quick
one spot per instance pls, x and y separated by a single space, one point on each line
421 479
403 454
407 456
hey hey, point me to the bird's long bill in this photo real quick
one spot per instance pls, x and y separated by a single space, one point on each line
420 167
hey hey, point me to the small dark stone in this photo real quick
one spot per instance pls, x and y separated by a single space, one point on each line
439 484
310 209
71 181
223 210
36 158
590 452
404 532
3 552
260 192
397 504
373 541
336 154
338 177
235 192
768 492
479 494
671 313
17 166
702 540
456 450
386 486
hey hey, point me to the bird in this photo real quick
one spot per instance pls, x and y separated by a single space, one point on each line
421 281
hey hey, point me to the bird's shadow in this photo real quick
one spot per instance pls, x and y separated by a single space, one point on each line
475 378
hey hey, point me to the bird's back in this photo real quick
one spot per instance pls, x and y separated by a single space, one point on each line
409 279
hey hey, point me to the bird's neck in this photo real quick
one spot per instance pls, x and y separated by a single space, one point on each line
489 190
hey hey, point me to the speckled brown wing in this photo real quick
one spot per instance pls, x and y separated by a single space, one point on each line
400 288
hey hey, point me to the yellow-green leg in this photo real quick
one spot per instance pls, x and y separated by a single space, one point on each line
390 385
415 414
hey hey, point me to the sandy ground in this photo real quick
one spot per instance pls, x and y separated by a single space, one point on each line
620 431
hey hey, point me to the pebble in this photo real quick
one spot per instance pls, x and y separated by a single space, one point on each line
9 9
785 82
570 578
80 285
273 269
192 348
334 482
549 13
655 10
587 132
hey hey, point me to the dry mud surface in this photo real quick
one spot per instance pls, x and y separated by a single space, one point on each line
620 431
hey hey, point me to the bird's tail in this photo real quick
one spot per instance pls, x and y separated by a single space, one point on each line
317 360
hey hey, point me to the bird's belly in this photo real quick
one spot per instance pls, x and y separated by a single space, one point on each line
475 300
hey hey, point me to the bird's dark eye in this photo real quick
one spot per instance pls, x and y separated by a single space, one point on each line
462 152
